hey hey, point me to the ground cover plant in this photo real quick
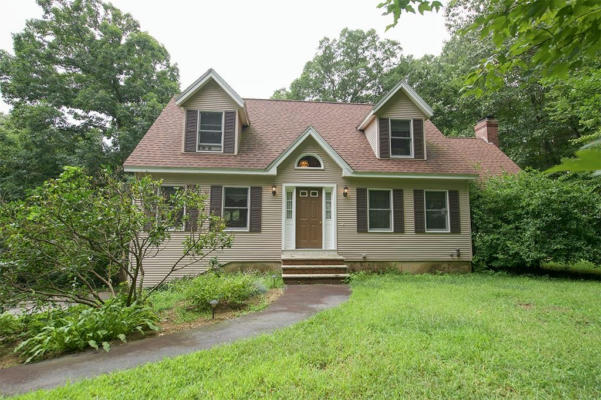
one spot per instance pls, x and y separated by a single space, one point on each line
399 336
179 305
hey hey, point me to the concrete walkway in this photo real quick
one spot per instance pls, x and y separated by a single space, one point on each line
296 304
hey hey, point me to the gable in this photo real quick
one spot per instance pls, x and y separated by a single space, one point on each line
400 106
211 97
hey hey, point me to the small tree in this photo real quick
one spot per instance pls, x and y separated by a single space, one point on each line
73 236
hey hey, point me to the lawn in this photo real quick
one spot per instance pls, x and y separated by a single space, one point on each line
399 336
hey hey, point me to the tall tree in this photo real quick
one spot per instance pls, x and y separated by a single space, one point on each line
93 66
348 69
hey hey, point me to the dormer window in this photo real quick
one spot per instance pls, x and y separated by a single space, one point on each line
210 131
309 161
401 138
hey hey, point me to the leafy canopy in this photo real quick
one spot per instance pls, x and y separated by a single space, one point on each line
346 69
92 65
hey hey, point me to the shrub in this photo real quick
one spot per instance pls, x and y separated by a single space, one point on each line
525 220
10 328
80 327
229 289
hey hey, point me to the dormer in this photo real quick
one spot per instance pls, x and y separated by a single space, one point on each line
215 116
394 127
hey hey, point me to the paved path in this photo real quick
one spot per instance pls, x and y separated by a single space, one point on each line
296 304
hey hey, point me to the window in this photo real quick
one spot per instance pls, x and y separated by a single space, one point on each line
289 205
328 205
210 131
169 192
309 161
401 138
380 210
235 207
437 212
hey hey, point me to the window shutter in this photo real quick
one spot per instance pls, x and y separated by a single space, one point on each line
229 132
191 131
216 195
192 212
256 201
418 209
398 211
361 210
418 139
454 210
384 130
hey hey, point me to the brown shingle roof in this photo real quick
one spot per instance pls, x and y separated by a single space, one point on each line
275 124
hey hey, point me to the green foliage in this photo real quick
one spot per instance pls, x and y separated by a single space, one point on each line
10 328
397 7
347 69
74 235
581 267
526 220
82 327
81 73
474 336
230 289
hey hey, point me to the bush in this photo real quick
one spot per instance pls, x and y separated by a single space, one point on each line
10 328
525 220
229 289
80 327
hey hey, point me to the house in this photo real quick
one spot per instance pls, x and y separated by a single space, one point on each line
320 187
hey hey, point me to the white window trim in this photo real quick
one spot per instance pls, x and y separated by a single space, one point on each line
247 228
198 132
178 185
448 228
308 168
391 229
412 147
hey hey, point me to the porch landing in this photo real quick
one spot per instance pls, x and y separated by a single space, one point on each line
313 266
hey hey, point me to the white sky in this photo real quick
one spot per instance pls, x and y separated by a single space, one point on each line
256 46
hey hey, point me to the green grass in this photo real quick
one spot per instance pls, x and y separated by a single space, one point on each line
399 336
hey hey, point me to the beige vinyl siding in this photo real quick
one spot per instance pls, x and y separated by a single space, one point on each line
211 98
399 106
266 246
371 133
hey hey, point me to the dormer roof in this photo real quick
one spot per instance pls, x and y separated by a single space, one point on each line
409 92
208 76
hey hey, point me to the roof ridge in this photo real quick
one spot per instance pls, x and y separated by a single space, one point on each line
311 101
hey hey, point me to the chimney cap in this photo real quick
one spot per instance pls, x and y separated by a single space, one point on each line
487 118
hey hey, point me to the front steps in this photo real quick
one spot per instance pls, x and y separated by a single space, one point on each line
313 266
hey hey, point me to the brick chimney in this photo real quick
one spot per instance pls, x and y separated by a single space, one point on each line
487 129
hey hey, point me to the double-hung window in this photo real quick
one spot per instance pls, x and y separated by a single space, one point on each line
379 210
401 138
235 207
437 210
210 131
169 193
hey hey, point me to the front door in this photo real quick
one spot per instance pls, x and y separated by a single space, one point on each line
308 218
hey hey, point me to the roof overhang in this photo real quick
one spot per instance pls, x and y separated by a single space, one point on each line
212 75
409 92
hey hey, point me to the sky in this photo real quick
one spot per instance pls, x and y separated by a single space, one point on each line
257 46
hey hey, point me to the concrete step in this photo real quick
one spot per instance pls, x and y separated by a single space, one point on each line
315 276
314 269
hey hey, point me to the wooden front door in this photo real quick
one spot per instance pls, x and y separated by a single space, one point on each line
308 218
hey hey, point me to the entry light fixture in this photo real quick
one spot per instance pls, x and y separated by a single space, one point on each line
345 191
274 190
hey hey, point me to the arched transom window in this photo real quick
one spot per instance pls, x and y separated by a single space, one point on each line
309 161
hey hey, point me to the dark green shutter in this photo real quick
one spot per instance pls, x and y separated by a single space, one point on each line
418 139
215 202
384 131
